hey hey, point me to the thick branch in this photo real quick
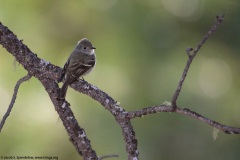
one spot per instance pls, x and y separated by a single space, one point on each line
116 110
76 133
47 74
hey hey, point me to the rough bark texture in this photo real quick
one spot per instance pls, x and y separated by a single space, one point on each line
48 74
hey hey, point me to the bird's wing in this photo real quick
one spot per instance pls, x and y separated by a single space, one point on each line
78 69
64 71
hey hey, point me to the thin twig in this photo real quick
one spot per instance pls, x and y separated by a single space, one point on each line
19 82
108 156
191 56
184 111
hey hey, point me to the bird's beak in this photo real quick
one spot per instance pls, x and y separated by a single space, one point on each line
93 47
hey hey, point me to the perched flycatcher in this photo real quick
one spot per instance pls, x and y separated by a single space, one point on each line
80 62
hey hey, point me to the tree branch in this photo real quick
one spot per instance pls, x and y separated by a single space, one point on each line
184 111
48 74
116 110
191 56
19 82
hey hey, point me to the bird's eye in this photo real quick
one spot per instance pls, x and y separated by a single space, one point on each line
84 48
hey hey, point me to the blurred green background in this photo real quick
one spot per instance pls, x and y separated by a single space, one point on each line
140 58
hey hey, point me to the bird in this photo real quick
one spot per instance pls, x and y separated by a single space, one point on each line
81 62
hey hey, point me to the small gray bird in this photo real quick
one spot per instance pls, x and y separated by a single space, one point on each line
80 62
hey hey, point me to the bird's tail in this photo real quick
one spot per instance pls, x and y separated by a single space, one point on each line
63 91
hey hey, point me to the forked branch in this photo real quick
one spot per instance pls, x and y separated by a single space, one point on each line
48 73
192 55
